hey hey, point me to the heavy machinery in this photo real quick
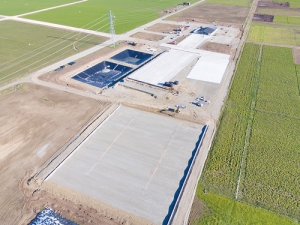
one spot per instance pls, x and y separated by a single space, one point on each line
134 43
179 107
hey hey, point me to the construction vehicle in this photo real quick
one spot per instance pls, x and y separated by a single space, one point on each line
179 107
134 43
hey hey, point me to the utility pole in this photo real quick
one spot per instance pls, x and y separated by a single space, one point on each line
112 27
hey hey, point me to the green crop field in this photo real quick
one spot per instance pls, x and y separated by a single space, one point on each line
230 137
287 20
129 14
223 210
257 140
16 7
231 2
275 34
25 47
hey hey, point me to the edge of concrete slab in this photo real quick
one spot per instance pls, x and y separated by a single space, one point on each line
103 209
74 143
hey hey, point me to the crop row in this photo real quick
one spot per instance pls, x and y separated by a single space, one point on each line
274 34
278 90
222 167
272 179
287 20
271 171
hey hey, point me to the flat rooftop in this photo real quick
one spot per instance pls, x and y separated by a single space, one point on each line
164 67
134 161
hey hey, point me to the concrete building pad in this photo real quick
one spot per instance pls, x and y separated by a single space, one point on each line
164 67
210 68
193 40
134 161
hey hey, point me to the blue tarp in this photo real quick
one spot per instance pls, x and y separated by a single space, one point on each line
102 74
48 217
132 57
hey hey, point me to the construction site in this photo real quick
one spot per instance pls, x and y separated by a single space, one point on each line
137 153
146 151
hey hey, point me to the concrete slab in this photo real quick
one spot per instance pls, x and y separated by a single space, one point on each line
164 67
193 40
210 68
134 161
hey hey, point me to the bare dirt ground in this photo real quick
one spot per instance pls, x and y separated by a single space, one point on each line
296 54
198 210
55 117
35 123
209 13
271 4
216 47
82 214
263 18
148 36
162 27
181 38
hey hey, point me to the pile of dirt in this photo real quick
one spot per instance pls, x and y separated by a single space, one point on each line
263 18
271 4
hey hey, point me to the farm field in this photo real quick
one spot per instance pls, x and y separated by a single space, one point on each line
293 3
16 7
35 123
278 11
209 13
275 34
222 177
26 47
287 20
246 3
129 14
227 211
257 138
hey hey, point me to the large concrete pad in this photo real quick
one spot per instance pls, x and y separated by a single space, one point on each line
210 68
164 67
193 40
134 161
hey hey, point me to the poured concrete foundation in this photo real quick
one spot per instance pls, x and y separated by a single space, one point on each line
134 161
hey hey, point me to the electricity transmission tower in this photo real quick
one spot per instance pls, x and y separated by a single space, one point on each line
112 27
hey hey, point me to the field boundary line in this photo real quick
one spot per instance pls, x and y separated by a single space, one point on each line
271 44
297 77
248 131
